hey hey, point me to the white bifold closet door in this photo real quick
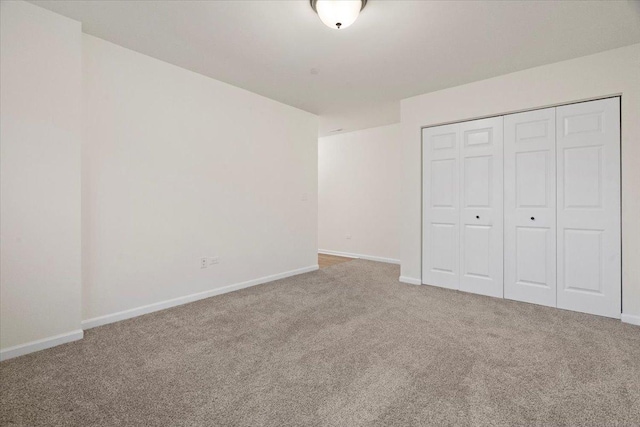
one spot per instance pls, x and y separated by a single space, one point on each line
462 206
481 253
530 207
588 214
561 207
441 206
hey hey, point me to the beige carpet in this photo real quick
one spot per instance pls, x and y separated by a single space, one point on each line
344 346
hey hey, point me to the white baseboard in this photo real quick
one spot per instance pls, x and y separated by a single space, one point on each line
359 256
631 319
150 308
33 346
410 280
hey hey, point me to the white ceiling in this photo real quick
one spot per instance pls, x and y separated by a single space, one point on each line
396 49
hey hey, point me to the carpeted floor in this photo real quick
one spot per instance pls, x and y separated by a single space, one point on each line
343 346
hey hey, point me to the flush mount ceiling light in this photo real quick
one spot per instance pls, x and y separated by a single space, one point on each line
338 13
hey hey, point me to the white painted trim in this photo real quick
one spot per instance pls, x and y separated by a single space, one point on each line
42 344
410 280
336 253
631 319
150 308
359 256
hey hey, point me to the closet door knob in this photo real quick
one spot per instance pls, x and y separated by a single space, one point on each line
477 216
533 219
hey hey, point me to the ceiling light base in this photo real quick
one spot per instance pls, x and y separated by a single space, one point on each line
313 5
337 14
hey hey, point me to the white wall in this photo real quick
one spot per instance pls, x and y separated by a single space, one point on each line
608 73
177 166
359 179
40 137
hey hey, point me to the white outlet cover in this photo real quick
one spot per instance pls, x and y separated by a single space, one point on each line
203 263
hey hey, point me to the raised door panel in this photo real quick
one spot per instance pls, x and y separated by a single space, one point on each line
440 209
583 177
583 261
532 175
530 207
532 256
443 174
443 248
481 207
589 253
478 179
477 253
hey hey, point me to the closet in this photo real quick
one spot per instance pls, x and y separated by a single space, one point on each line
527 207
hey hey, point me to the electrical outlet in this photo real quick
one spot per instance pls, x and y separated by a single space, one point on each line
214 260
348 236
203 263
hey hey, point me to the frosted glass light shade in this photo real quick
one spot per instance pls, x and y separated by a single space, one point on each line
338 13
